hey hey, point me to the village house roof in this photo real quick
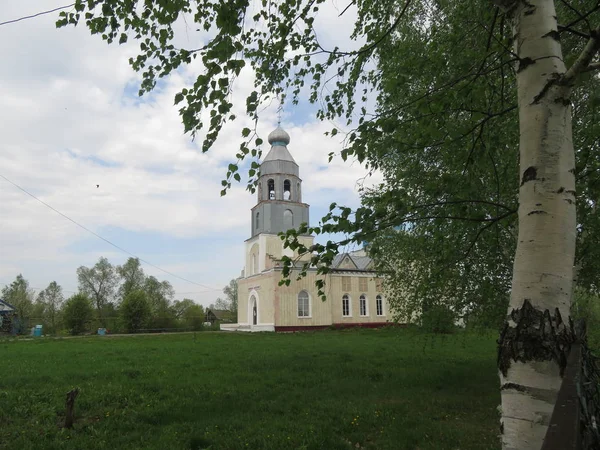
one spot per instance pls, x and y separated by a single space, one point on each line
5 307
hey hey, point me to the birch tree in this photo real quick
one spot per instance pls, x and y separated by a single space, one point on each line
279 43
52 299
98 283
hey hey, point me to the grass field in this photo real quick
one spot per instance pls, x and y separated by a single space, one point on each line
376 389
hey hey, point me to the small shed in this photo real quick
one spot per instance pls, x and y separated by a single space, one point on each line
219 316
7 314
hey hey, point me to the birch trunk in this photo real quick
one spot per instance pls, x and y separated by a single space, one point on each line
536 339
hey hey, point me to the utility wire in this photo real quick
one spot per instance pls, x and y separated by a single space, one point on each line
209 289
36 15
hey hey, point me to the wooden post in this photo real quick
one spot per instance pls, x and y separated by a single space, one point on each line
70 406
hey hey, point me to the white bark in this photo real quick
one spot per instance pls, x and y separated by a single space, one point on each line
543 266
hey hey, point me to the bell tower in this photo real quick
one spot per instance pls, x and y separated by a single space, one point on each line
278 208
279 204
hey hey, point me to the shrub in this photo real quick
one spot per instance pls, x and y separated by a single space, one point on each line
78 313
135 311
438 319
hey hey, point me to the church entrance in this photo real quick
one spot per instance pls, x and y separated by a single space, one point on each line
253 310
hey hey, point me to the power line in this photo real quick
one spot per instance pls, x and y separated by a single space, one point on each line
36 15
209 289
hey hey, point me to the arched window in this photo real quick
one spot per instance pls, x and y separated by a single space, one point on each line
260 198
303 304
379 303
287 190
288 219
257 224
271 189
346 306
298 196
362 301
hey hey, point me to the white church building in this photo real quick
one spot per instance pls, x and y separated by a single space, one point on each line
354 293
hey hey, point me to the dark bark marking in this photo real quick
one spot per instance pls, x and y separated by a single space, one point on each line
536 211
524 63
572 170
539 394
537 336
554 34
560 190
529 175
538 204
563 101
569 201
553 79
573 193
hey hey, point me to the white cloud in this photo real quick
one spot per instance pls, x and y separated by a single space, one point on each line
68 125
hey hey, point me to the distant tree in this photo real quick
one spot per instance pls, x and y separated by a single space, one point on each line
231 291
78 312
51 300
19 295
99 284
132 277
159 294
193 316
230 302
179 307
135 311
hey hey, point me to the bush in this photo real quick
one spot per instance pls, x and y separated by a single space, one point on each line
587 306
78 313
438 319
135 311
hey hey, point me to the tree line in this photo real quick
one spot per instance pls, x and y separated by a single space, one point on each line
119 298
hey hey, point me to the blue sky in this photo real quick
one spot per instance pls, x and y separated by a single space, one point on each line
72 120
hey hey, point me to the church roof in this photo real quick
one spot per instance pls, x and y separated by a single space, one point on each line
361 262
279 139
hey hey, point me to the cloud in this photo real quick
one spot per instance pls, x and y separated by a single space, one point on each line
75 135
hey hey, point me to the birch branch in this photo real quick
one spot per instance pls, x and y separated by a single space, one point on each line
583 61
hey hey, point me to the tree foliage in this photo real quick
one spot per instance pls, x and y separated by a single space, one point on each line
20 296
135 311
51 300
132 277
99 283
78 313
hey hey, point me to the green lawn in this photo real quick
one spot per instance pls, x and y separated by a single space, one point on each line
377 389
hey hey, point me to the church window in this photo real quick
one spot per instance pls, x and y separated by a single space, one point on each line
303 304
298 197
345 305
288 219
271 189
287 190
362 284
257 221
346 283
363 305
379 303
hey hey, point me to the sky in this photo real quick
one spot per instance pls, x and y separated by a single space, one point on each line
75 134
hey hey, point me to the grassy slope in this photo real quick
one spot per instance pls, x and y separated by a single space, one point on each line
383 389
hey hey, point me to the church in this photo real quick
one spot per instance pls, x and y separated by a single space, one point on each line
354 293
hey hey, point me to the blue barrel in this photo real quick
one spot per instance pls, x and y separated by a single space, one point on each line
37 331
101 331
